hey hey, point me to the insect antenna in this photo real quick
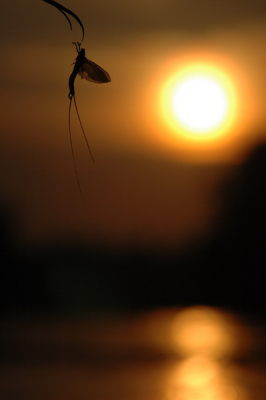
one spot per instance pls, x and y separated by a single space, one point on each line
72 151
77 45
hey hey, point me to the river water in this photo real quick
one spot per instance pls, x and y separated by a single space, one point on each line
194 353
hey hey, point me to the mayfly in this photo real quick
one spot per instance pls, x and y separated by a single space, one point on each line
91 72
86 69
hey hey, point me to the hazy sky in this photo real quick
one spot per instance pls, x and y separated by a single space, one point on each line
147 186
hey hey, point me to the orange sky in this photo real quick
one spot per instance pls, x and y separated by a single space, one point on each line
147 186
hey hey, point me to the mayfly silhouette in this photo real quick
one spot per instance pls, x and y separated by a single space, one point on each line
86 69
91 72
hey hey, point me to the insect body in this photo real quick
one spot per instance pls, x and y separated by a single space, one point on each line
86 69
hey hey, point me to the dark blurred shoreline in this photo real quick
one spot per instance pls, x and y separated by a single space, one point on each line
225 271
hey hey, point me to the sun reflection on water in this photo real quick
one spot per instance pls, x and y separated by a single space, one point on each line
202 378
206 340
203 330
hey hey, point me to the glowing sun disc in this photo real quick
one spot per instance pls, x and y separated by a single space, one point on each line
199 102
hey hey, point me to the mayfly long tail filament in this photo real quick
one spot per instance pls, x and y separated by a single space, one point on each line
84 134
72 151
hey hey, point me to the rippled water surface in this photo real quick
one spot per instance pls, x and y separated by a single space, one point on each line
196 353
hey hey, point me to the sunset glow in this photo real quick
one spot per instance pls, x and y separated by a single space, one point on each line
199 103
163 151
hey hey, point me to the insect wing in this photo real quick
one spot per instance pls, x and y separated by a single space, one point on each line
93 72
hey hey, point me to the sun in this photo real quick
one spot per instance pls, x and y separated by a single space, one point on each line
199 103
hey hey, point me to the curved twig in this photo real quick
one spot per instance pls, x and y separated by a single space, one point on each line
65 11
